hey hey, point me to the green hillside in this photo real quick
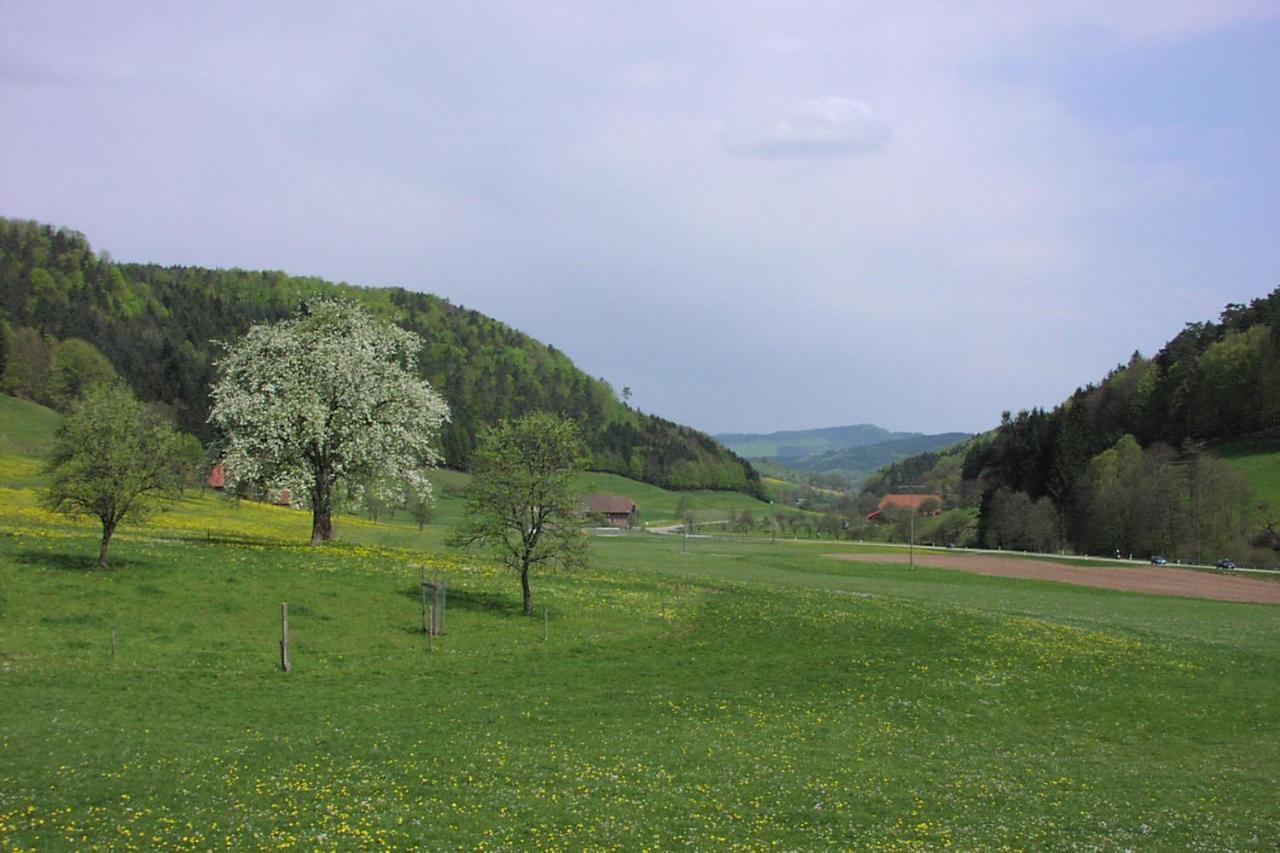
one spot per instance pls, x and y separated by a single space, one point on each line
28 427
658 506
26 435
706 694
160 328
1260 463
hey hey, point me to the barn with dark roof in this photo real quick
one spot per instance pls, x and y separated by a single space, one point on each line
616 510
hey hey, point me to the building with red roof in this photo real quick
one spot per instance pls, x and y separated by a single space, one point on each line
908 502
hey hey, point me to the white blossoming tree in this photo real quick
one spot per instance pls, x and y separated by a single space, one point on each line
328 398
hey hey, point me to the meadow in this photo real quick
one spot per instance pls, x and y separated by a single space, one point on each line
1260 464
709 693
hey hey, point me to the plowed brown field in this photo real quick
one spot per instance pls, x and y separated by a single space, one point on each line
1157 580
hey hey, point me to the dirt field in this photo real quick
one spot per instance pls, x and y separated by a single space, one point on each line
1154 579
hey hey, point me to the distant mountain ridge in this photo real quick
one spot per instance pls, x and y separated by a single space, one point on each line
797 444
854 451
869 457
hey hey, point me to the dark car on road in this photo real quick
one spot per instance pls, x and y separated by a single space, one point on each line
1226 564
1158 560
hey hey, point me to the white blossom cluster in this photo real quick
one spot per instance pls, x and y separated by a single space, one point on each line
330 397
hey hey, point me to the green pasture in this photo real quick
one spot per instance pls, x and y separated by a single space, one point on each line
26 433
703 693
1260 463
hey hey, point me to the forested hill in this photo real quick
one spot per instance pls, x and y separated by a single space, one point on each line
1120 465
158 327
1212 382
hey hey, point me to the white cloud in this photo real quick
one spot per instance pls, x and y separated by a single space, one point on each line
830 126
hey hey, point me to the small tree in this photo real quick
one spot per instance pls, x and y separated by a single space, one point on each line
112 459
328 398
190 461
521 505
421 510
26 370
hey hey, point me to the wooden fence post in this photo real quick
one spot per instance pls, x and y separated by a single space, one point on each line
284 638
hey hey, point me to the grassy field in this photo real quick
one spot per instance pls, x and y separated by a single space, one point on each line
734 694
26 431
1260 463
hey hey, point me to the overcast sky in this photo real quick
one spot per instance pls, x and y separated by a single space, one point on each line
756 216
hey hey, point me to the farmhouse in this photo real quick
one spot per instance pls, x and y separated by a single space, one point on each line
617 510
910 502
217 479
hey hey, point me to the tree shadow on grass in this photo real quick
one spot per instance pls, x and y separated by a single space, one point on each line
227 539
72 562
462 599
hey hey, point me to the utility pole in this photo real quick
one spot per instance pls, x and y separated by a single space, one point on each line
911 541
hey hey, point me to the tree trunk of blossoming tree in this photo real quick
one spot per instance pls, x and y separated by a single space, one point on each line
322 505
321 525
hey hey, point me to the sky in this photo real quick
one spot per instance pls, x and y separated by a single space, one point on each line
755 216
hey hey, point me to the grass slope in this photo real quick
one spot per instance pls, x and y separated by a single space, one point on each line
26 434
727 695
1260 463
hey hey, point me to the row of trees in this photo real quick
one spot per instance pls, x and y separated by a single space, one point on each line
1134 501
324 403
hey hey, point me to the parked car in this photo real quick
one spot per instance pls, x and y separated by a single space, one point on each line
1226 564
1159 560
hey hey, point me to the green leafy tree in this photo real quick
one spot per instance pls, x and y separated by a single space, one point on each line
420 510
113 458
26 372
328 399
74 367
1220 507
521 505
191 461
